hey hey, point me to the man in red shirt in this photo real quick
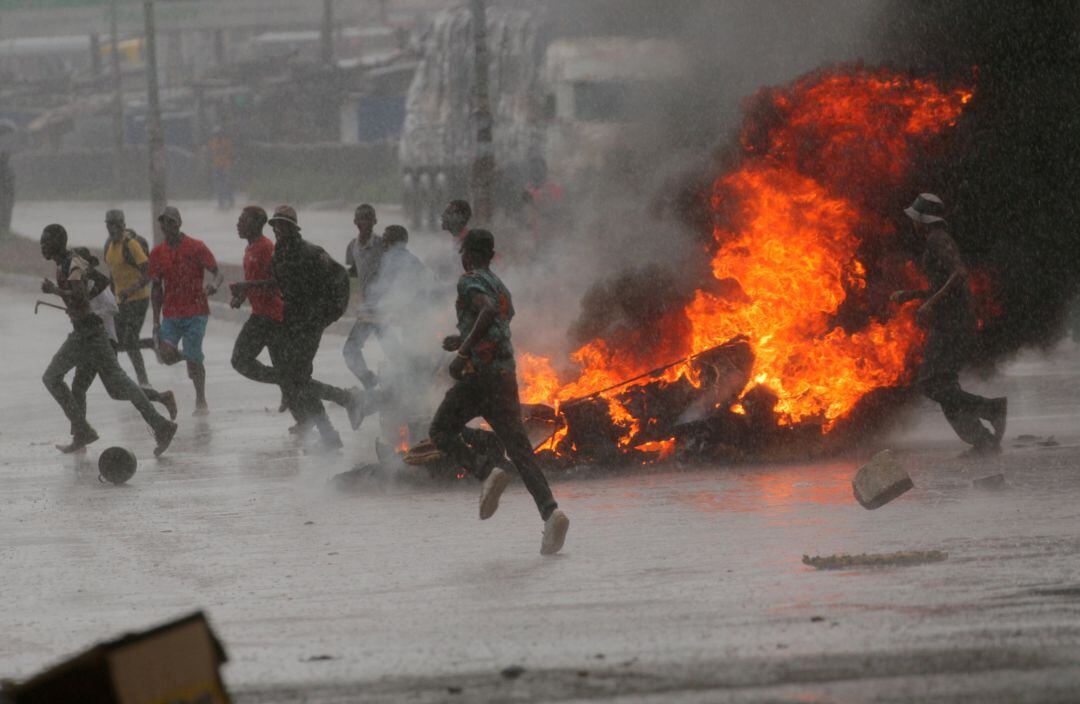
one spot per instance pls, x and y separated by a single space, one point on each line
177 268
261 329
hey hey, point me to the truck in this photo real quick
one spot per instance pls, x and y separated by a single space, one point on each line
565 103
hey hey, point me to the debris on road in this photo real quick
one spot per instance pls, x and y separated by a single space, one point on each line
513 672
177 661
880 480
887 559
116 465
993 482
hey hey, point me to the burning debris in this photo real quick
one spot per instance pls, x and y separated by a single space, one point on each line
788 337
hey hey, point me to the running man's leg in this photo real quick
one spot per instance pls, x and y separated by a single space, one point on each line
259 332
192 332
70 355
301 343
117 382
502 411
129 325
80 384
460 405
354 353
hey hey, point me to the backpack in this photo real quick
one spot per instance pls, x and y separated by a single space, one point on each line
95 279
338 289
128 236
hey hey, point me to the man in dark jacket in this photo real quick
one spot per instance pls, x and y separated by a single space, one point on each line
948 312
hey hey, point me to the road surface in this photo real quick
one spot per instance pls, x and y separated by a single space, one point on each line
677 584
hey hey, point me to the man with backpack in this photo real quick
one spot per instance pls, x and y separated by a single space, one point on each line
264 329
315 291
88 346
128 257
103 305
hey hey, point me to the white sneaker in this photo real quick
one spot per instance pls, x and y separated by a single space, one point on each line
555 528
490 491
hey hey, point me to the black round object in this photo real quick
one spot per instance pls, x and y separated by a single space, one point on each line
117 464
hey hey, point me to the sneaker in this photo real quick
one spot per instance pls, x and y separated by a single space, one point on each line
490 491
555 528
79 441
983 449
168 399
164 437
998 417
201 409
356 408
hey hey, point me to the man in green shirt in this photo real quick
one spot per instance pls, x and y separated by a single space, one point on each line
486 386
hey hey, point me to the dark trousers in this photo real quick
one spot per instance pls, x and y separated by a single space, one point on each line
84 379
296 352
947 351
129 325
88 347
493 397
261 332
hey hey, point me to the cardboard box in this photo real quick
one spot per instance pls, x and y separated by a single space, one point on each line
175 663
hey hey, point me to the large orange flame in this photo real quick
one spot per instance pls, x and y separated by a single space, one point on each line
790 219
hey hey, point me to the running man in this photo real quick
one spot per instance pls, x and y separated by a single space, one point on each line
486 386
88 346
129 267
103 305
362 259
264 329
949 314
177 268
315 290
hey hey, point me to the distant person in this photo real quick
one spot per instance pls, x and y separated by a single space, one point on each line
221 162
455 221
128 258
948 312
486 386
404 290
103 304
88 346
362 258
7 191
179 299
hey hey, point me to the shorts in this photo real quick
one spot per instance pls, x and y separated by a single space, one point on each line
189 330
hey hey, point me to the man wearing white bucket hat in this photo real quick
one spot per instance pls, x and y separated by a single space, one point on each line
948 311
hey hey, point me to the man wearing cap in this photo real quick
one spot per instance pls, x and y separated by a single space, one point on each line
315 290
362 258
486 386
179 300
948 311
129 268
88 348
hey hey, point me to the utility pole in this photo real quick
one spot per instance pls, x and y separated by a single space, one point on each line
155 137
118 90
328 33
483 169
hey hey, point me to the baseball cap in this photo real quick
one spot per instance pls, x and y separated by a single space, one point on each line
115 215
170 213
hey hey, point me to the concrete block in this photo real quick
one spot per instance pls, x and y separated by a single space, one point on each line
993 482
880 480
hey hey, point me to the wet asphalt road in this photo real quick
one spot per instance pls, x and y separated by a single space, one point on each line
676 584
